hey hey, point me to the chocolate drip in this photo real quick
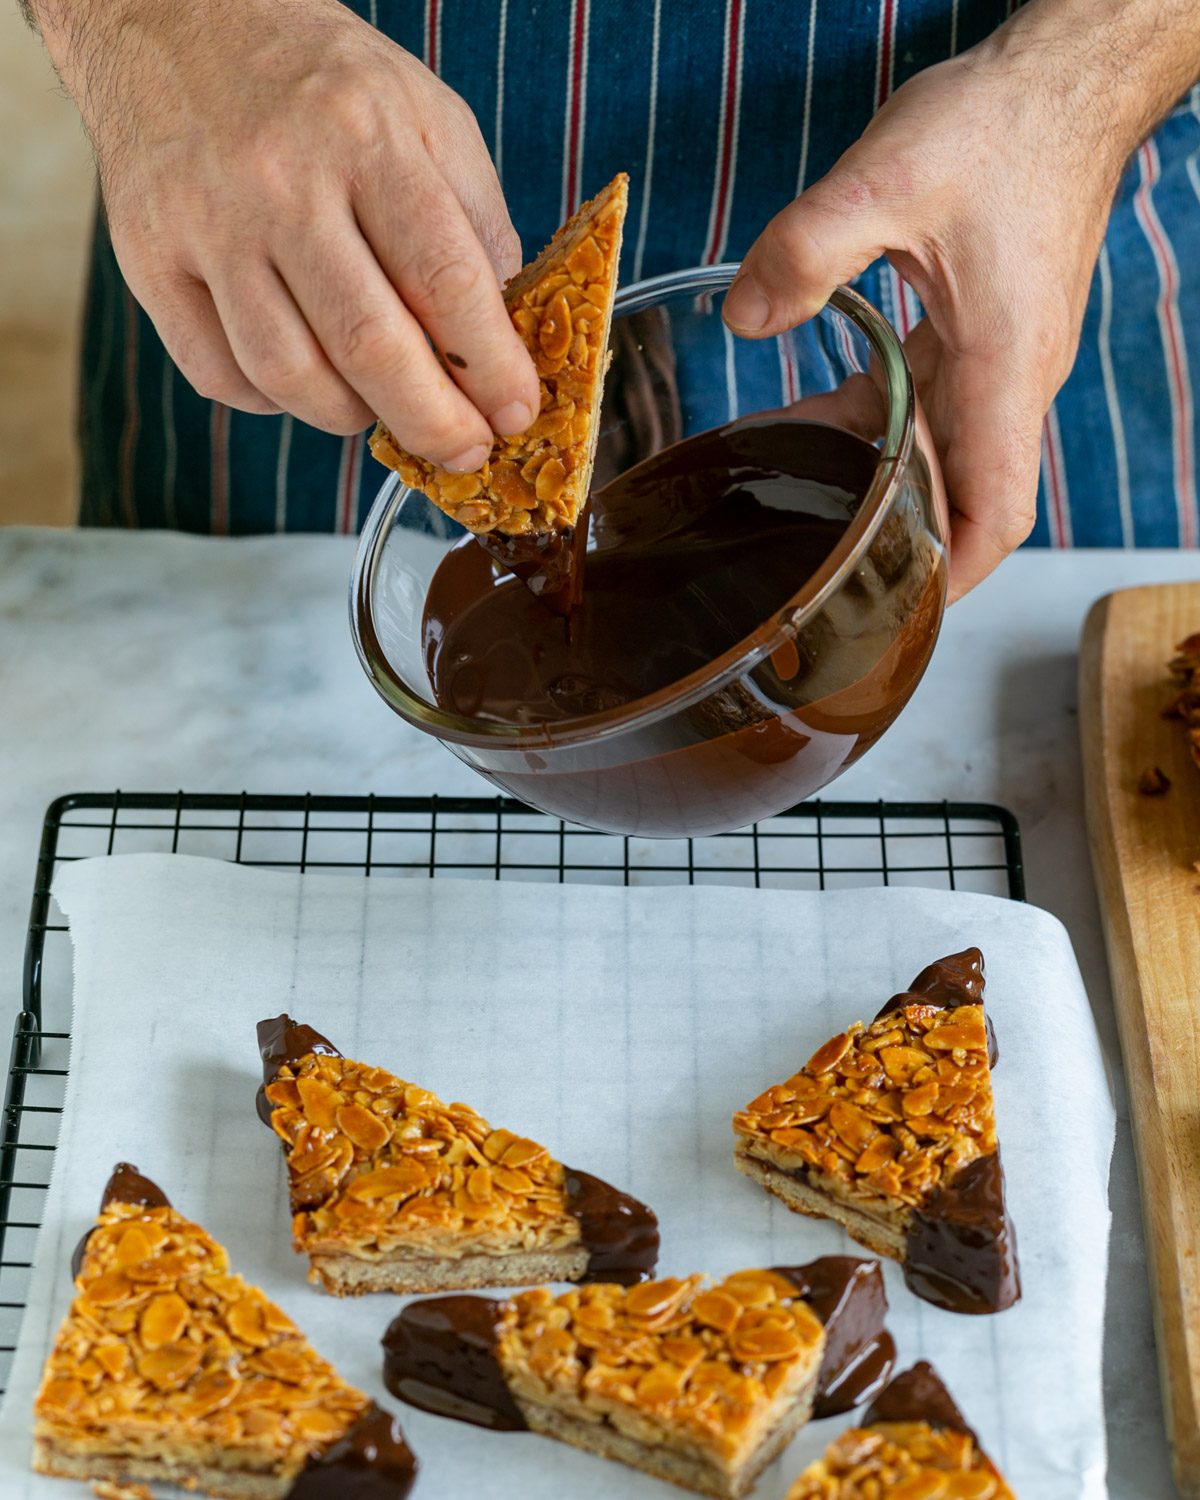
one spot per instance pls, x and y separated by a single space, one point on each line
372 1462
549 563
918 1395
847 1295
440 1356
961 1252
619 1233
126 1185
284 1041
948 983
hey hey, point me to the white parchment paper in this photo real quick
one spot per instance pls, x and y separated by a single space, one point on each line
620 1027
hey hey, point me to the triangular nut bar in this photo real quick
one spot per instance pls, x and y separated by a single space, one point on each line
697 1383
890 1130
561 305
394 1190
170 1367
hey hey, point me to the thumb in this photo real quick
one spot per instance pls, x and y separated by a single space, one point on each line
820 240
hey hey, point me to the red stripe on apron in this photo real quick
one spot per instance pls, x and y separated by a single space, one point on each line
725 161
1173 346
572 196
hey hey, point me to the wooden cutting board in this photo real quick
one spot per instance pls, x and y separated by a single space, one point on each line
1143 854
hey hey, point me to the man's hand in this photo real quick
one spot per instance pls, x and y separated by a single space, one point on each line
301 207
987 181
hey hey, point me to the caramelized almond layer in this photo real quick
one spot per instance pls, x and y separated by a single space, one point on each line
675 1362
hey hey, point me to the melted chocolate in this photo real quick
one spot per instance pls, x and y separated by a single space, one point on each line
126 1185
689 552
440 1353
284 1041
549 563
372 1462
948 983
694 550
619 1233
918 1395
847 1295
961 1250
440 1356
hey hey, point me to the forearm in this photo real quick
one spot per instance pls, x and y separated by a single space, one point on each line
1117 65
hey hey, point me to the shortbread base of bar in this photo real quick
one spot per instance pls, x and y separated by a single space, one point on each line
883 1239
227 1484
689 1471
350 1276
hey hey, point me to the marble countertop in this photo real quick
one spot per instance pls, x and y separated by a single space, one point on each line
153 662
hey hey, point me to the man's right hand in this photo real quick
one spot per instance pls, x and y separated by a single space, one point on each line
302 207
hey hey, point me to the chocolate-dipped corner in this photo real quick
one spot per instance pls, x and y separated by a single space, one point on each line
370 1462
848 1296
439 1354
918 1395
961 1247
284 1042
619 1233
126 1185
950 982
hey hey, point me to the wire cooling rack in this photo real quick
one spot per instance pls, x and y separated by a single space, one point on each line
971 846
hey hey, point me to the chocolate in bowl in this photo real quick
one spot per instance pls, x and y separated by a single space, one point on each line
760 597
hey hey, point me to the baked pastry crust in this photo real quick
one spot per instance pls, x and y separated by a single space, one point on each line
561 305
171 1367
698 1384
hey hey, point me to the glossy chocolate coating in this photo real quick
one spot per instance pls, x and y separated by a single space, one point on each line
918 1395
126 1185
549 563
440 1355
372 1462
948 983
848 1296
284 1041
619 1233
694 549
961 1250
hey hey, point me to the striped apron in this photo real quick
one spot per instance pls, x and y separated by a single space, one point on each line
721 111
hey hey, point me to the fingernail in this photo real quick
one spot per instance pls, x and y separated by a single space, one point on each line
513 418
472 459
746 305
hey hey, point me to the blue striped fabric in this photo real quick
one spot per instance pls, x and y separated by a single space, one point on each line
720 110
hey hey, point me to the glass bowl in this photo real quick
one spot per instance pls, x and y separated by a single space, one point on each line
785 709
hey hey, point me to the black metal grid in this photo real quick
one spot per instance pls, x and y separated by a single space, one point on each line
815 846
